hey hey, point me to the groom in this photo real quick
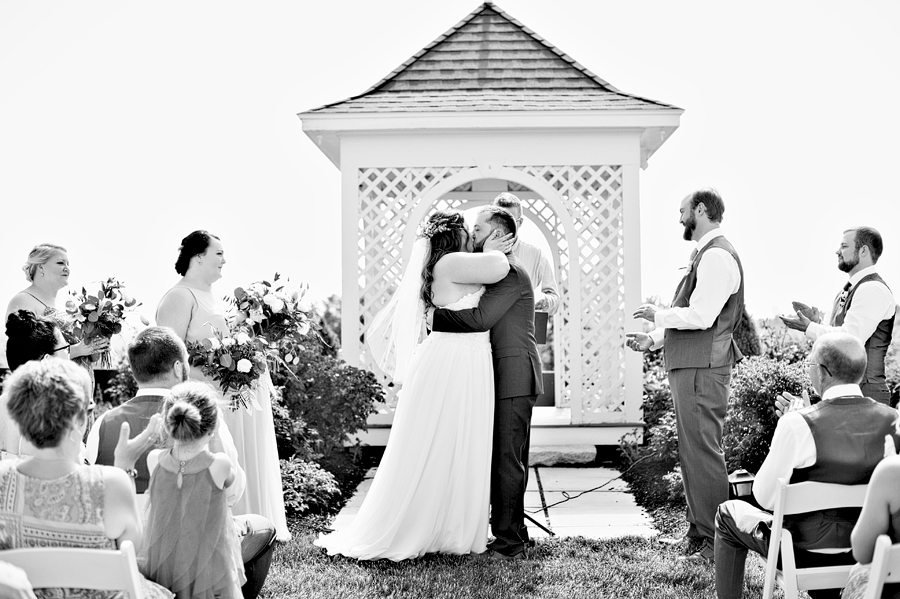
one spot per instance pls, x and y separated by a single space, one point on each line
507 310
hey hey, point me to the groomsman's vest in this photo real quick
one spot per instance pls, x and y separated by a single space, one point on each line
876 345
849 436
710 347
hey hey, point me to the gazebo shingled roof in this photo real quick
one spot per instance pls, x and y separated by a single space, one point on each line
490 62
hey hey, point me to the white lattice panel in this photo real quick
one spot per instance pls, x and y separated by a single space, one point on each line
386 198
592 196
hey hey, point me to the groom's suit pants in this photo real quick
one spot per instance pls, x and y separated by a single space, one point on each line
509 473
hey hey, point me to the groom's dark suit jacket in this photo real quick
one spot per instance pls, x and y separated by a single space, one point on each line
507 310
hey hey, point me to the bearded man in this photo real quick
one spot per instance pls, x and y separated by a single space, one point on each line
864 308
698 335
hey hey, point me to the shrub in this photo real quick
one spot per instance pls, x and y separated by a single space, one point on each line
308 489
331 397
781 343
750 420
892 370
121 387
746 337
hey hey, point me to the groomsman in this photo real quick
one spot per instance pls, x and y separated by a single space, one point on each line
864 308
698 336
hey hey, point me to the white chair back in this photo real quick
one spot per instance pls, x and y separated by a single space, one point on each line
74 567
797 499
885 566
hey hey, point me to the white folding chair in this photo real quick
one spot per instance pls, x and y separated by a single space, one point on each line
797 499
885 566
77 568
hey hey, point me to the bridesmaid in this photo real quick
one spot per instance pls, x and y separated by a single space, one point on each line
191 310
47 269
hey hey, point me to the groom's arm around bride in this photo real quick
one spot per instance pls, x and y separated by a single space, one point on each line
507 310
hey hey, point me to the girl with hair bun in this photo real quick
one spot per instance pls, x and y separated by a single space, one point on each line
192 547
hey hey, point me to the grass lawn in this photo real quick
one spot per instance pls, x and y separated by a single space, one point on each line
556 568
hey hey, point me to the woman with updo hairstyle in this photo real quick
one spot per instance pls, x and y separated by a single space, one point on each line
47 269
92 506
431 490
191 309
193 546
28 337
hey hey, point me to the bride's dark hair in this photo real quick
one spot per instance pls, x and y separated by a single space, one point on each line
442 232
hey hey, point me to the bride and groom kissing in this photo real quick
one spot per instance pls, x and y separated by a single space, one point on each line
458 449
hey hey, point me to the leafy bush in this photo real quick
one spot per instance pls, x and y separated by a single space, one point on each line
331 397
746 337
750 420
892 370
121 387
308 489
781 343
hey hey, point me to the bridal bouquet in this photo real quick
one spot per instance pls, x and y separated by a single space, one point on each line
100 314
279 317
236 361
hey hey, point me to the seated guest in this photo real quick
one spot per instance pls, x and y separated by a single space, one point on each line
28 337
51 499
159 361
838 440
193 547
880 516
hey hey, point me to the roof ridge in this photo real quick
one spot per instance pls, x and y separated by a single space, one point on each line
482 8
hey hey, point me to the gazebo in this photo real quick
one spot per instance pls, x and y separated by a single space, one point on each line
490 106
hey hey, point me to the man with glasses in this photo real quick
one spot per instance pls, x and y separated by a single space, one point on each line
838 440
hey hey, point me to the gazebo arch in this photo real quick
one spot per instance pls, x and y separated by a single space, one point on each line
417 139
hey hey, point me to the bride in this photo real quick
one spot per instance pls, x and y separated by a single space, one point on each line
432 487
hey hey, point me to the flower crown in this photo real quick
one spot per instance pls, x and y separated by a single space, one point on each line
430 229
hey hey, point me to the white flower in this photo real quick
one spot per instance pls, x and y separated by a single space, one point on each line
273 302
304 305
227 342
244 365
303 328
214 343
242 338
256 316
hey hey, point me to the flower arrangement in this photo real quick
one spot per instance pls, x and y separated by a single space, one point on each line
236 361
278 316
100 314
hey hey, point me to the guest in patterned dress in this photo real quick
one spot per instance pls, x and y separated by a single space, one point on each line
51 498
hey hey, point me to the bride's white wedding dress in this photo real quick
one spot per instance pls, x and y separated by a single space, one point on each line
432 487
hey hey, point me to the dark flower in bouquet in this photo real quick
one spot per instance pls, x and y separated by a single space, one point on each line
235 361
277 315
99 315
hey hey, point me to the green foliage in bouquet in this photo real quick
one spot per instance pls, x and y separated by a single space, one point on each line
331 397
750 420
308 489
99 315
235 362
121 387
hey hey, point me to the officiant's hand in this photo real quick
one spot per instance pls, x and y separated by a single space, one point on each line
638 341
498 241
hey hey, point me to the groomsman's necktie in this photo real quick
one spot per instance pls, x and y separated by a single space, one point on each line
839 302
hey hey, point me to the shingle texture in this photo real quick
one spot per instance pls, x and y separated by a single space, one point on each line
490 62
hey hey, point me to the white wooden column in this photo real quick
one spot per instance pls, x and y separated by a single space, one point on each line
349 268
631 217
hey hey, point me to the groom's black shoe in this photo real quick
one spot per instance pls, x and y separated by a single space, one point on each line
502 556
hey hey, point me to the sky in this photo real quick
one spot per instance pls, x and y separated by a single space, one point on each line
125 125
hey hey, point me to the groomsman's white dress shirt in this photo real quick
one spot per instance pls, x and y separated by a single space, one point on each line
872 303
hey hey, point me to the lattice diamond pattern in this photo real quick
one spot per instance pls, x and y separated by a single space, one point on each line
593 198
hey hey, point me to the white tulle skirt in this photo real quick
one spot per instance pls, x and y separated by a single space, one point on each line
432 487
253 430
